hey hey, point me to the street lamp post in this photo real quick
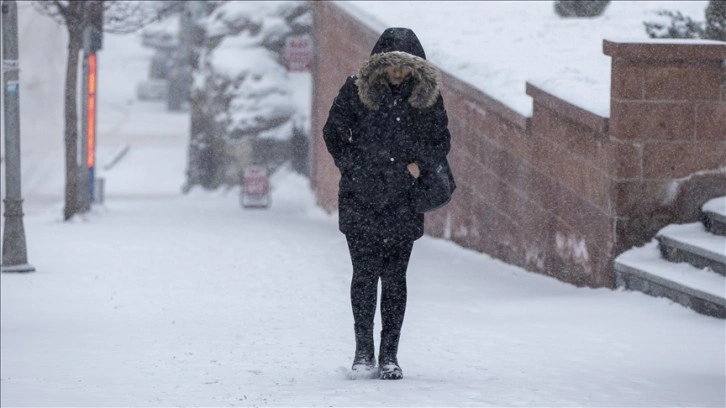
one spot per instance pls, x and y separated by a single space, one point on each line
15 258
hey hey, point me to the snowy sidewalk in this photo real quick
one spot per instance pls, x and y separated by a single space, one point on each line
191 301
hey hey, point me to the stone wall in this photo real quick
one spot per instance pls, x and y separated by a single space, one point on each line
668 110
564 192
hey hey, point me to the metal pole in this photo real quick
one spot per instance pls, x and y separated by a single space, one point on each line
84 187
15 257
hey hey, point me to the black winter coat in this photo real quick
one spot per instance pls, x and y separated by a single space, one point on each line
374 130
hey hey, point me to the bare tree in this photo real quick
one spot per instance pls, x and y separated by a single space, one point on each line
118 17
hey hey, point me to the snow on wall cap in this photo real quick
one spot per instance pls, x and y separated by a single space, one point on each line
665 49
716 205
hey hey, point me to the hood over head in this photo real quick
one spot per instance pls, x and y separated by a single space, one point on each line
398 47
399 39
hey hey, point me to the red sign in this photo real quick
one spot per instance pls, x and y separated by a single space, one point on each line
255 187
299 53
91 123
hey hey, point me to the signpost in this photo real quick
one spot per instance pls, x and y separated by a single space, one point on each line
92 42
91 125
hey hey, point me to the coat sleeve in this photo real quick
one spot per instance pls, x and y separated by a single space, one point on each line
436 146
337 130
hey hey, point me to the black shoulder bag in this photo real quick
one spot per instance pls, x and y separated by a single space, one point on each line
434 187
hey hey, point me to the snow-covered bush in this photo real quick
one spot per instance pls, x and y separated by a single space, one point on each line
670 24
580 8
673 24
241 97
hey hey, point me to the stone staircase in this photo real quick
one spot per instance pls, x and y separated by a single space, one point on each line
685 263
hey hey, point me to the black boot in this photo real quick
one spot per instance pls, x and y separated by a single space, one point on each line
364 359
387 357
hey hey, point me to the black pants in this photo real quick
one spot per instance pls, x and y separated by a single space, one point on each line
373 259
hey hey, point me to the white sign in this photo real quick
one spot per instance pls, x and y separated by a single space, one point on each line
299 53
10 65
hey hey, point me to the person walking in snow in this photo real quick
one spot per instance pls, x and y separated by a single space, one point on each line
386 125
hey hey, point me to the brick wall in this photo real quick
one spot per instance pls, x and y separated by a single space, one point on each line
342 44
668 109
565 191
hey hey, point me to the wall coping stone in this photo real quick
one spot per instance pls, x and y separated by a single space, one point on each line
568 110
666 50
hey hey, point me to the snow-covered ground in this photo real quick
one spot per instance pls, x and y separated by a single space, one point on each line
163 299
174 300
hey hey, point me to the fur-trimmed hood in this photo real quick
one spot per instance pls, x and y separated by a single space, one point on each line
373 86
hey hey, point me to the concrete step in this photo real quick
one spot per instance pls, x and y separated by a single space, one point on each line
644 269
692 243
713 215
